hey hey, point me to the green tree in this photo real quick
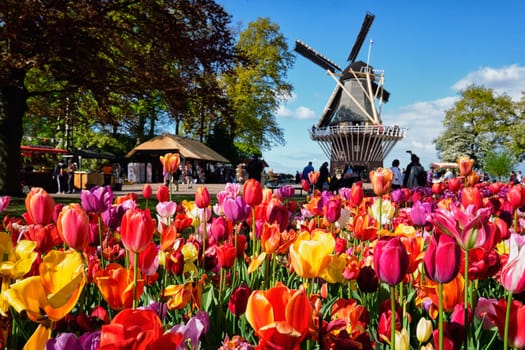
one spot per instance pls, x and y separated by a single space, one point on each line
499 164
478 120
257 85
127 48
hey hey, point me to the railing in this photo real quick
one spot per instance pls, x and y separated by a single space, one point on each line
344 128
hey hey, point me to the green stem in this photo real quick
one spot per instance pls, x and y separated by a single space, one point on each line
100 237
135 268
440 297
393 322
466 299
254 235
380 219
204 234
507 321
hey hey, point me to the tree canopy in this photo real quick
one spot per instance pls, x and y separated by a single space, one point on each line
134 50
479 123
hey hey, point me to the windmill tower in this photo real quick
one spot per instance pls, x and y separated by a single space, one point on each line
350 130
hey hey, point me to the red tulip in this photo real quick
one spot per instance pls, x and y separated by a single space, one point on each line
73 226
131 329
226 254
442 258
356 194
252 192
239 299
202 197
137 229
516 196
471 196
163 193
496 314
40 206
305 185
147 191
381 180
390 260
46 237
437 188
170 162
453 184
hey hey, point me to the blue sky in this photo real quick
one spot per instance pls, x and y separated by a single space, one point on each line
429 51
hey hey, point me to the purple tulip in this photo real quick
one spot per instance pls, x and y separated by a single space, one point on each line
398 196
65 341
235 209
287 191
193 330
113 216
96 200
90 340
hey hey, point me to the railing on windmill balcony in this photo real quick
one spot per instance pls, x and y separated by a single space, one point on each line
357 143
346 128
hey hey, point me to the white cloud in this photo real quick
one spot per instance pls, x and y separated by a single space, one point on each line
300 112
508 80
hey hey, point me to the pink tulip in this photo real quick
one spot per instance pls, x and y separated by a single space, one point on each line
73 226
513 272
390 260
442 258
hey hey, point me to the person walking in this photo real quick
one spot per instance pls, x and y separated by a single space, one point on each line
59 175
71 168
255 168
324 173
415 174
397 181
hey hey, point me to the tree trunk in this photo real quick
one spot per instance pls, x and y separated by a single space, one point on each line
13 105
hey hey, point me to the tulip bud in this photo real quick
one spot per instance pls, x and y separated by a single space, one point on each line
423 330
163 193
390 260
73 226
40 206
516 196
313 177
170 162
381 180
442 258
239 299
202 197
465 165
252 192
147 191
137 229
471 196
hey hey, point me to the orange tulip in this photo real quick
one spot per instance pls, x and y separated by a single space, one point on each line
202 197
73 226
381 180
364 227
273 240
281 317
452 295
313 177
310 253
115 283
182 294
170 162
40 206
252 192
465 165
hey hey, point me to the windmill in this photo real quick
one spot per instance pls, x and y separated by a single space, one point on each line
350 130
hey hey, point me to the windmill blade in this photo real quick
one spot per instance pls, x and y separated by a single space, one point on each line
365 27
315 57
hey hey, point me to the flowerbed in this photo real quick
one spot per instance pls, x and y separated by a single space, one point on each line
434 267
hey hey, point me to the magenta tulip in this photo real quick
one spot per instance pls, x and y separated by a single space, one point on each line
442 258
235 209
390 260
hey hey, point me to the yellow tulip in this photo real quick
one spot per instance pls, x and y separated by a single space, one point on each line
423 329
53 293
402 340
334 269
16 263
310 253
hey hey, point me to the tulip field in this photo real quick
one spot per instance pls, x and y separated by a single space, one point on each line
436 267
